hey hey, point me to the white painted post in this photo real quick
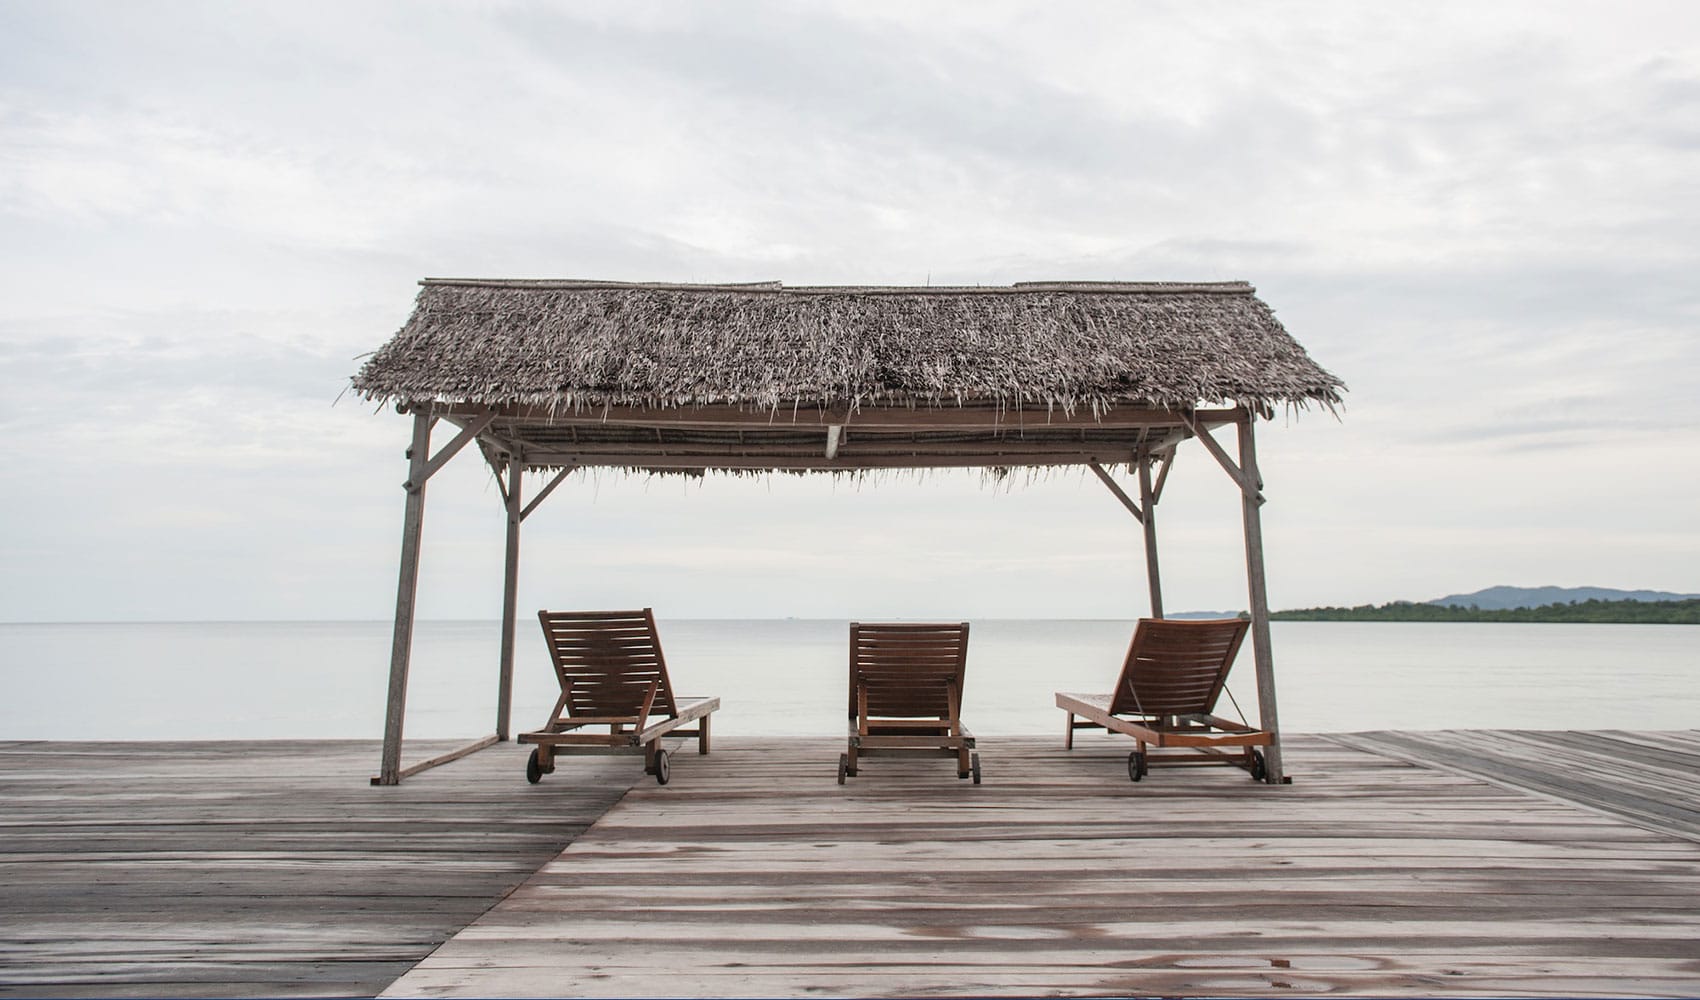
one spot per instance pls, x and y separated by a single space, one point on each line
407 590
1257 589
510 599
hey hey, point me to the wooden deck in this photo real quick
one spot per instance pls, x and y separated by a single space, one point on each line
757 875
262 869
1651 779
274 869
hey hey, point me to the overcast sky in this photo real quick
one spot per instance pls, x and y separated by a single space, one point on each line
1484 218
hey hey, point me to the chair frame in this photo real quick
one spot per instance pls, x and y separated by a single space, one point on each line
1198 737
659 714
918 730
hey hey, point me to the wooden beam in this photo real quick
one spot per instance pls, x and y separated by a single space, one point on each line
1127 501
510 599
467 433
1258 594
1162 476
498 466
441 759
489 435
1148 497
547 489
407 589
816 463
1248 484
848 450
915 418
834 433
1167 439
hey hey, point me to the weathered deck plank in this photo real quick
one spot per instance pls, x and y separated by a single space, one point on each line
1650 779
760 876
273 869
261 869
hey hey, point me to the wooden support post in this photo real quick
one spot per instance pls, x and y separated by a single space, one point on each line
1257 590
510 599
407 589
1148 502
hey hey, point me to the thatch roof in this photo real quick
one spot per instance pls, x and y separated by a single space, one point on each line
572 346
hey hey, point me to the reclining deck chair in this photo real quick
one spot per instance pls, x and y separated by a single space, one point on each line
906 694
612 673
1166 696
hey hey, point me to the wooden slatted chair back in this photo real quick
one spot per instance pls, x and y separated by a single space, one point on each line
606 660
909 669
1177 667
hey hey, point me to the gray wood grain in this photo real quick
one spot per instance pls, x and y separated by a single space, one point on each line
273 869
1370 875
1650 779
262 869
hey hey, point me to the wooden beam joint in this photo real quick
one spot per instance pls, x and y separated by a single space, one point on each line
1248 485
450 450
1121 494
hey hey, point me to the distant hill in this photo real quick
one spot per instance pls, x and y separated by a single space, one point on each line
1597 612
1506 598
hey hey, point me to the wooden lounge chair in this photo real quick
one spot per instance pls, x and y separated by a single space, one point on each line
612 674
1166 696
906 694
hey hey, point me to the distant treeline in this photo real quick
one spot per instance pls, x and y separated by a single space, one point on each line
1604 612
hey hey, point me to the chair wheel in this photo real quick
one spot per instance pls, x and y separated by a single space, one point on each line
843 767
663 770
976 766
533 769
1136 766
1259 768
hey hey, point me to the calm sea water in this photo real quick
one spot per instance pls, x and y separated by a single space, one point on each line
275 680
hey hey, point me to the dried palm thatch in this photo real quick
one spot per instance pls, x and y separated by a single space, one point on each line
570 346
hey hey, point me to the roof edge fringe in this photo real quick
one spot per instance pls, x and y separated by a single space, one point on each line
772 287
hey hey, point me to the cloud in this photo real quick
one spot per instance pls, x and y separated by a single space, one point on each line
1482 221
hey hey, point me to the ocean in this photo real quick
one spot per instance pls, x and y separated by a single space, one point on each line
319 680
276 681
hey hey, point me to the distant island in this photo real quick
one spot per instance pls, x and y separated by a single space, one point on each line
1601 605
1504 598
1624 612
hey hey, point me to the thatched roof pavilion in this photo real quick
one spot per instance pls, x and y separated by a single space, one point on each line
672 378
747 376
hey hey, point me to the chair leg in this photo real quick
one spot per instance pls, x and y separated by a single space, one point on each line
702 734
1068 734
